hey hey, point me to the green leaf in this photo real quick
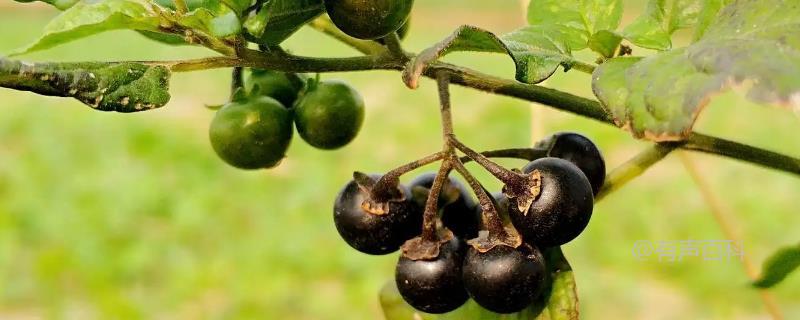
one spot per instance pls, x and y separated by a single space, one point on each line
654 28
559 300
212 17
577 19
120 87
557 28
605 43
60 4
535 52
576 25
278 19
778 266
237 5
85 19
707 15
660 97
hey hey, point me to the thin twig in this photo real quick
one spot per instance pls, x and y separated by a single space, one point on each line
633 168
432 203
325 25
395 46
528 154
724 217
490 215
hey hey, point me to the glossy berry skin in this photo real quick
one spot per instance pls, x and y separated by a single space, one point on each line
563 208
582 152
369 19
277 85
402 33
370 233
460 216
504 279
329 115
253 133
434 286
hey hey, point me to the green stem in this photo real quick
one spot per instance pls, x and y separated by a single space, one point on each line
395 47
325 25
743 152
634 168
237 81
582 66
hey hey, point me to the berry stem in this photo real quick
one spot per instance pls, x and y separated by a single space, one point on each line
634 167
325 25
432 204
529 154
237 80
503 174
494 224
393 44
385 189
443 81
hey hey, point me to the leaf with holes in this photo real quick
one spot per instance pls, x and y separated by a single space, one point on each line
278 19
750 42
85 19
120 87
778 266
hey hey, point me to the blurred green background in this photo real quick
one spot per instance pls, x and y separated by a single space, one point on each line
132 216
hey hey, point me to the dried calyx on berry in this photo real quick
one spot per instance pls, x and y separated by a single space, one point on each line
375 226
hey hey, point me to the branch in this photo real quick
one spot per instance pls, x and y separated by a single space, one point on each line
473 79
634 168
743 152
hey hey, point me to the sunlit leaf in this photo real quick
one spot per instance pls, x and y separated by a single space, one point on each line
751 42
85 19
654 28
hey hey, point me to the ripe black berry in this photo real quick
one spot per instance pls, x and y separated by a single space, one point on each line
563 208
434 286
504 279
371 233
582 152
456 205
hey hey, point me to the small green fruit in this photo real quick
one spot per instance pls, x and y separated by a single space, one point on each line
277 85
253 133
329 114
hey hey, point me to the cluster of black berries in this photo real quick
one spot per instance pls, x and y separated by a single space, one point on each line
504 279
